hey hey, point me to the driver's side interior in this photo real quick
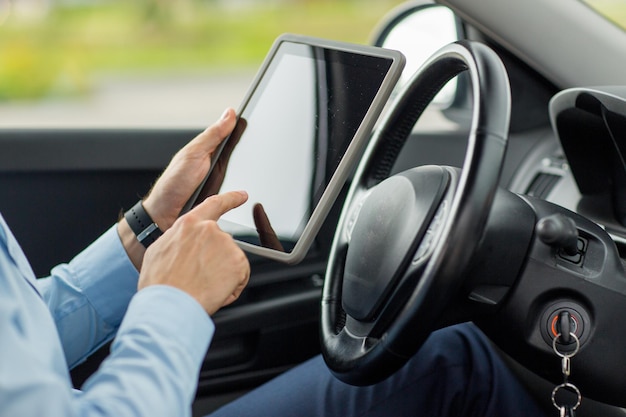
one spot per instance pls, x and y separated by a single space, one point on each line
275 324
536 166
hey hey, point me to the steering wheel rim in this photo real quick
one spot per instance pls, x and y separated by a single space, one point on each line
372 341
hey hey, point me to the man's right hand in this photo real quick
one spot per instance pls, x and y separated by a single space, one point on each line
196 256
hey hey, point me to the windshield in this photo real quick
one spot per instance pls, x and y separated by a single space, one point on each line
612 10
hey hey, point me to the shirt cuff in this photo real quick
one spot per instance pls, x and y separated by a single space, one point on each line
106 276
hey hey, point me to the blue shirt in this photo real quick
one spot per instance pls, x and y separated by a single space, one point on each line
51 324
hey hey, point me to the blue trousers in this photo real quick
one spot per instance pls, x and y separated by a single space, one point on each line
455 373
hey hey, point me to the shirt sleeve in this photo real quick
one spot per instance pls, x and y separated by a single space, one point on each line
88 296
152 370
155 358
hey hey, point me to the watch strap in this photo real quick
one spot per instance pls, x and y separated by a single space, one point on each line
140 222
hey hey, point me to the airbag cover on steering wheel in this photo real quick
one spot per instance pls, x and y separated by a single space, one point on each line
391 223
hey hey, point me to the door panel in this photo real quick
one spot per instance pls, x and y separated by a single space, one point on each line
59 190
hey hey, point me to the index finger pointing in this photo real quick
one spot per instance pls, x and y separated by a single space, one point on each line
216 205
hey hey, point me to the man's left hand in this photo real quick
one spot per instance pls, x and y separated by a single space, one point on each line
185 172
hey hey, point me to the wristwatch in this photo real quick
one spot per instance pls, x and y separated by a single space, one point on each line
140 222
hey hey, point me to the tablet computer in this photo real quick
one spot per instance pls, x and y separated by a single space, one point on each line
301 130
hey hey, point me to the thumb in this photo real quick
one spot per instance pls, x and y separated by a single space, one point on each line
213 135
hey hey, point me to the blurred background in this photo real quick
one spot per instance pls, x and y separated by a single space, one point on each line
159 63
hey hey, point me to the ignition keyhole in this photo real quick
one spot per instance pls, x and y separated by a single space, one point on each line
564 319
565 323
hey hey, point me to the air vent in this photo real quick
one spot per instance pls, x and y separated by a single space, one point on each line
542 184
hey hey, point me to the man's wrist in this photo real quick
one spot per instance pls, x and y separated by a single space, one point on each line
145 229
133 248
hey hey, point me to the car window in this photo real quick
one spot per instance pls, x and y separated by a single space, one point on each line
612 10
418 32
151 63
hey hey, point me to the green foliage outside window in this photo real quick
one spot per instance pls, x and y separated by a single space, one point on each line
54 48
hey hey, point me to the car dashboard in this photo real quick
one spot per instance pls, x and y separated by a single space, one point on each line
575 169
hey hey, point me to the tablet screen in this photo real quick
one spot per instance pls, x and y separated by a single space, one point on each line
298 121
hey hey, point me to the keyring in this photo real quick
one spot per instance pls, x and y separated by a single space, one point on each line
566 355
571 387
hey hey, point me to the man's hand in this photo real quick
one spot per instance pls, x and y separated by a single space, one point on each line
177 183
185 172
196 256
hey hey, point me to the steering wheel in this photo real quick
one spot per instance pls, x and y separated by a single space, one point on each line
403 242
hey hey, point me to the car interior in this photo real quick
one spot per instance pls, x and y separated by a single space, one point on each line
500 165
